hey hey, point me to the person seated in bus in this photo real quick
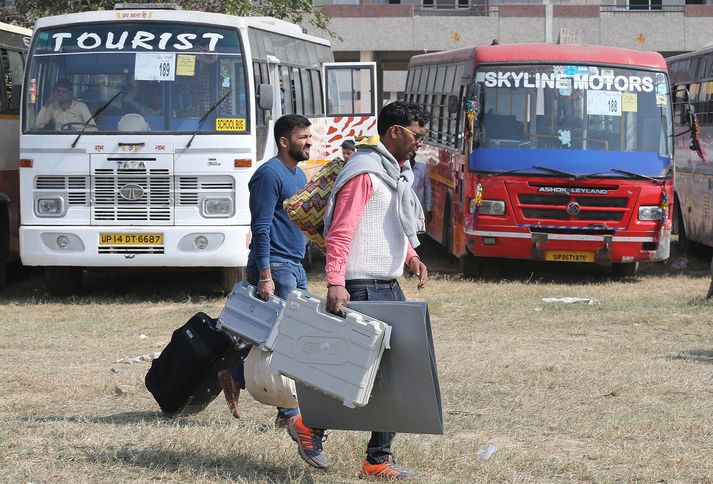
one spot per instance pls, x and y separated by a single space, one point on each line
144 98
61 112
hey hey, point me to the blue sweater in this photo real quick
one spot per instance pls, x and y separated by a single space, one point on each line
274 237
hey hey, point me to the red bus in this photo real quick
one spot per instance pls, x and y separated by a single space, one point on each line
14 42
547 152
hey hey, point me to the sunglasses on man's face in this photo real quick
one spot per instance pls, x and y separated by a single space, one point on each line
417 137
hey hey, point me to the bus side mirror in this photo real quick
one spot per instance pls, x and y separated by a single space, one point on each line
452 104
690 113
265 96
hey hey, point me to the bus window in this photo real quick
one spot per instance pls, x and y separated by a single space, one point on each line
12 72
350 90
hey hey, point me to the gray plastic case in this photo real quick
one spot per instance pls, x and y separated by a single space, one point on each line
247 317
337 356
406 395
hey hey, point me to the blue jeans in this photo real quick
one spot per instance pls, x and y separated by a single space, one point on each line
379 447
287 277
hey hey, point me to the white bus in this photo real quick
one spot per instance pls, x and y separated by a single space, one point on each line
14 42
182 109
692 92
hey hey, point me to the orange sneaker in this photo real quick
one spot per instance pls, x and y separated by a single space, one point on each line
309 442
385 470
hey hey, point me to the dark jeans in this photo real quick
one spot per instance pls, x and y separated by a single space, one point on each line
287 277
379 447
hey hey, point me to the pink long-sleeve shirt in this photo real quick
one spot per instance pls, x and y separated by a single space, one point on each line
348 209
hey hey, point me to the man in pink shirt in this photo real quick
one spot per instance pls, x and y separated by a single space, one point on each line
371 223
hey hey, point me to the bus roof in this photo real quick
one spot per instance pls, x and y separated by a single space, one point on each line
193 17
15 29
689 55
552 53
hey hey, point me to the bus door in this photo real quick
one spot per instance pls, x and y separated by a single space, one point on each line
350 102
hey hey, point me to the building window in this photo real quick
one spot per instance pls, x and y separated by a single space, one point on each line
446 3
641 4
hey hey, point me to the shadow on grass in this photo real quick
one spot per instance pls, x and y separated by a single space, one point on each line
123 418
200 463
122 286
696 356
494 270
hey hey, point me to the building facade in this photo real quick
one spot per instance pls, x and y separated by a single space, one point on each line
389 32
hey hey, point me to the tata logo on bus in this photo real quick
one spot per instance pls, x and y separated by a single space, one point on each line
574 190
568 81
141 40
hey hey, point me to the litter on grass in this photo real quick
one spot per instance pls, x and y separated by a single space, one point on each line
569 300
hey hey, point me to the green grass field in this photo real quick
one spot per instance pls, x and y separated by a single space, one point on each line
617 390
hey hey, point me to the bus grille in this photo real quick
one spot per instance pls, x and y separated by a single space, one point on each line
189 187
554 207
74 187
129 249
153 203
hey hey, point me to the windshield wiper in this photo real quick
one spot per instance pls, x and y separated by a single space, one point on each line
99 110
636 175
502 173
556 172
205 116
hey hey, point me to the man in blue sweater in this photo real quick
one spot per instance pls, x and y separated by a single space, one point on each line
277 246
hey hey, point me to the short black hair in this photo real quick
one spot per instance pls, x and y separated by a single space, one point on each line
348 144
287 123
64 84
402 113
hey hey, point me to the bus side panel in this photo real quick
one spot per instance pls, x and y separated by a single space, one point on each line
460 211
441 190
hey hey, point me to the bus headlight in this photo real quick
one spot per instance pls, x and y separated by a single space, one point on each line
49 207
492 207
650 212
217 207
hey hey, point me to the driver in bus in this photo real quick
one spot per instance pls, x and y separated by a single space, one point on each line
64 112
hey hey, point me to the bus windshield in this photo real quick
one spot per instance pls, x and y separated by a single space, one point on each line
165 77
565 109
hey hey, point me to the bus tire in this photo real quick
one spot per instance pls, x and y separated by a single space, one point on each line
308 258
229 276
679 228
64 281
448 228
472 265
4 244
625 269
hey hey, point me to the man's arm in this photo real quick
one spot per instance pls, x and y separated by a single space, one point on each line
264 189
45 116
348 209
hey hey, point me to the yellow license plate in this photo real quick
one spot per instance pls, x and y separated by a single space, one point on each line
130 239
569 256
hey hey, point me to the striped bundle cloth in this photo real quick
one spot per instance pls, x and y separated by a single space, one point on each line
306 207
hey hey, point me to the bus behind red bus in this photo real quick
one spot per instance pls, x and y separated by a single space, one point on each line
547 152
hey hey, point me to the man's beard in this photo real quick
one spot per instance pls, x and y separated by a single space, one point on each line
297 154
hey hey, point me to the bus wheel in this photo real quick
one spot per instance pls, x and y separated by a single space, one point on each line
4 244
229 277
472 265
308 258
625 269
64 281
683 243
448 229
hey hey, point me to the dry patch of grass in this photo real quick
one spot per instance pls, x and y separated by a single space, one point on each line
619 390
